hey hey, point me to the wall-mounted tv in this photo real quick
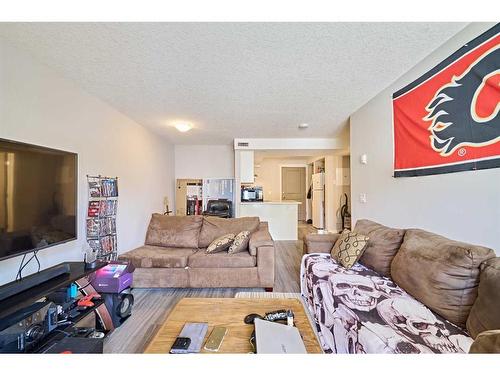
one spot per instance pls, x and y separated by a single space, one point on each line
38 198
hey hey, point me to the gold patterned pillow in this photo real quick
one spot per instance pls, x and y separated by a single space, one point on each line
240 242
349 248
220 244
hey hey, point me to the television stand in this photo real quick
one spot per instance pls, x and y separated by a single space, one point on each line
42 284
28 282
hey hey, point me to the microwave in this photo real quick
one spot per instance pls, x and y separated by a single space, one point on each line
252 194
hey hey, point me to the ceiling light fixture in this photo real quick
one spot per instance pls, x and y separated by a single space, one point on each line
183 126
303 126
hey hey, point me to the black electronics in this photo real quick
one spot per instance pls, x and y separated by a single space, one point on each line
76 345
41 211
252 194
219 207
19 286
271 316
119 306
23 330
181 343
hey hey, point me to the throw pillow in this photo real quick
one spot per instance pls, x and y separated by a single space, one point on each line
349 248
220 244
240 242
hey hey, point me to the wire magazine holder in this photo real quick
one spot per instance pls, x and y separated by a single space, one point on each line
101 216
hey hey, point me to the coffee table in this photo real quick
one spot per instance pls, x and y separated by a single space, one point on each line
229 313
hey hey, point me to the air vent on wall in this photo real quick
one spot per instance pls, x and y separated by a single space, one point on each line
243 144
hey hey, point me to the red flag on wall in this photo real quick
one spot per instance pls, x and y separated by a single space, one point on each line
448 119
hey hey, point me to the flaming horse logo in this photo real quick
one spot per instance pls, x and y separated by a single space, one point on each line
464 112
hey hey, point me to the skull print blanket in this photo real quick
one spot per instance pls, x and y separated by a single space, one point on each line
358 311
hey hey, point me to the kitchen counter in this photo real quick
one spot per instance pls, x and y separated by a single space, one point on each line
282 217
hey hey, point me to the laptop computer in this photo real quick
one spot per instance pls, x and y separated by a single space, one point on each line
277 338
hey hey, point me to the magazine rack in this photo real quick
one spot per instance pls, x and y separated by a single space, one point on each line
101 216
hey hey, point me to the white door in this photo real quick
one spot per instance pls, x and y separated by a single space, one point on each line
293 184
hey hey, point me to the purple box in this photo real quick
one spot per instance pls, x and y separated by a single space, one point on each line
113 278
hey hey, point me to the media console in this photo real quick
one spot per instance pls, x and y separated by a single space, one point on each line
19 286
29 318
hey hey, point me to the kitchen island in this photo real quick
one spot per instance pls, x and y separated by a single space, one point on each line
282 217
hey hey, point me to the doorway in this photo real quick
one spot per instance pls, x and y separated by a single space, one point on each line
293 187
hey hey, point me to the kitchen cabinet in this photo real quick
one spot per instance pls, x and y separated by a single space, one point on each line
247 167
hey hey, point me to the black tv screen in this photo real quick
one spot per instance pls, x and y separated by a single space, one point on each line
38 197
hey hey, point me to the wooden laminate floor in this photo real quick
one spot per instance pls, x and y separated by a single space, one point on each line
152 306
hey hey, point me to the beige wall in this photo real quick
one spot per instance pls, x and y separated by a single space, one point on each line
463 206
269 175
38 106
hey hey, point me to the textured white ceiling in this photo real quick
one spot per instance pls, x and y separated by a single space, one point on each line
232 80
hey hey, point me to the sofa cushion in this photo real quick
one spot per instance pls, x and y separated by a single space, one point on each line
441 273
359 311
220 244
201 259
382 246
320 243
158 257
487 342
174 231
214 227
240 242
485 313
349 248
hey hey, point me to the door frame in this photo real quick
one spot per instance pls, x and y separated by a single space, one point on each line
296 165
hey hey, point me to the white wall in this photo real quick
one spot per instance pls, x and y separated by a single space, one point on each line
204 161
463 206
39 107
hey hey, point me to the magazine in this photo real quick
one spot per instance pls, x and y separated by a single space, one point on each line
108 244
94 208
109 187
94 189
92 227
95 245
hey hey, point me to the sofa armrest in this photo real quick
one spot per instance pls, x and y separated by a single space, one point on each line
486 342
266 266
319 243
260 238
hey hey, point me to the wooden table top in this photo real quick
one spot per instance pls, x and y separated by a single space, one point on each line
229 313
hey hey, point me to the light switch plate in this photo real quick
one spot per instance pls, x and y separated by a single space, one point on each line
362 197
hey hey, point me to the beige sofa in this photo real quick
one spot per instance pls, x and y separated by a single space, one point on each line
458 283
174 254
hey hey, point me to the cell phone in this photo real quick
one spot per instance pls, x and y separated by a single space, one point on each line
214 341
181 344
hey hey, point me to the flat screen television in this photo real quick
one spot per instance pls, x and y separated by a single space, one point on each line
38 198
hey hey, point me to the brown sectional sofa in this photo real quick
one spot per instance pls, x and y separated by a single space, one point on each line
457 281
174 256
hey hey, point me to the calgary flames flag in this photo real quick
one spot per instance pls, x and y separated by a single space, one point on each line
448 119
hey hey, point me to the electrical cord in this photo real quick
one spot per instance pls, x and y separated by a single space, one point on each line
18 276
23 265
37 260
